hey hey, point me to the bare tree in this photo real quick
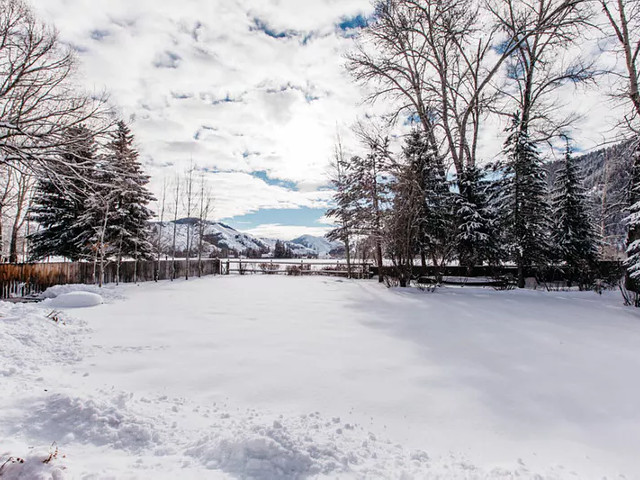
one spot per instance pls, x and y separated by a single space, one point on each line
438 59
342 212
38 101
540 66
189 203
371 189
24 186
162 207
623 18
6 197
176 209
204 212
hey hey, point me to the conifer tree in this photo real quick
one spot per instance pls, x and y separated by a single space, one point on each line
280 250
132 214
370 191
437 227
59 199
343 210
573 236
96 221
632 280
521 201
476 239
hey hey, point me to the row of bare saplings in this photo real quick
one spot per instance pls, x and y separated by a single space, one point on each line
22 280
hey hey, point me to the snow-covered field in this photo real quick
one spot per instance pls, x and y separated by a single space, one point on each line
272 377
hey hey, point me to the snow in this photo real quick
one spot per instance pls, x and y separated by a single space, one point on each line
75 300
108 293
269 377
321 246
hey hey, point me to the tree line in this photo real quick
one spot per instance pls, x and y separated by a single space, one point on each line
450 68
68 164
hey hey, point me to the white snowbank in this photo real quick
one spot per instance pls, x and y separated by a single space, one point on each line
75 300
107 292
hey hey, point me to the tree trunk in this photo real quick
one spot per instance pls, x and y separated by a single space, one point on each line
379 260
521 279
186 270
1 238
348 255
13 248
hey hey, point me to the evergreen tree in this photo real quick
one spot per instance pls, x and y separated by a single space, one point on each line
476 239
280 250
59 199
632 280
96 222
132 214
521 201
437 227
343 210
370 192
420 220
573 236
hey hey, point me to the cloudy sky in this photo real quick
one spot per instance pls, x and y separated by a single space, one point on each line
253 91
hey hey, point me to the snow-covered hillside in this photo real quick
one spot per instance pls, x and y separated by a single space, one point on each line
224 240
320 245
317 378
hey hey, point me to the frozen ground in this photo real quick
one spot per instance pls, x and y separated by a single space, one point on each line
277 377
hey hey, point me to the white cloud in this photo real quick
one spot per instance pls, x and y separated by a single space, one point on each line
201 81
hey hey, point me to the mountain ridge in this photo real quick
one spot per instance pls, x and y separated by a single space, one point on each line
222 240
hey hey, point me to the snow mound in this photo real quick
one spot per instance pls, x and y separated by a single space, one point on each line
76 300
258 455
30 341
311 446
108 292
70 419
292 448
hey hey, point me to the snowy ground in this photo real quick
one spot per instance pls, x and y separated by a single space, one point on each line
276 377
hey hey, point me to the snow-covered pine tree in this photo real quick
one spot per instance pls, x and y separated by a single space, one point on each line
521 201
96 223
421 220
437 227
632 279
573 235
59 199
476 239
343 210
370 191
132 214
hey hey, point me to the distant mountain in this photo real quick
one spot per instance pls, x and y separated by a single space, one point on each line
320 245
220 239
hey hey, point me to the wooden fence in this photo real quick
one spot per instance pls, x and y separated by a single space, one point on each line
607 271
336 268
21 280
